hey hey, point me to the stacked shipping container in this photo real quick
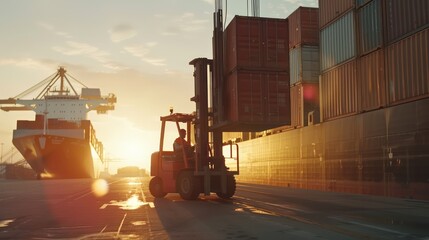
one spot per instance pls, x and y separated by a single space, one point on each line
374 97
256 74
304 66
382 44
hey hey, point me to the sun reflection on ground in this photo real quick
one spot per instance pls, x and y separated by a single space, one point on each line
132 203
5 223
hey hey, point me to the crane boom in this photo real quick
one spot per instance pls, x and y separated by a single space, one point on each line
8 101
16 108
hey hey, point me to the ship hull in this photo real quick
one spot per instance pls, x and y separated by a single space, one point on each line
59 157
65 150
383 152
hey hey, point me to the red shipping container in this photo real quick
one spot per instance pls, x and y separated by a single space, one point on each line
304 27
372 90
338 92
330 10
257 101
256 43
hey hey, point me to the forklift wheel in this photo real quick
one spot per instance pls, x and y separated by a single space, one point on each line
230 188
188 185
155 187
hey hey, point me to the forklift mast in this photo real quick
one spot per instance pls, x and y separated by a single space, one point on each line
203 69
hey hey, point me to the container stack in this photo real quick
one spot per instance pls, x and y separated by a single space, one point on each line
372 54
338 58
256 74
407 49
372 86
304 66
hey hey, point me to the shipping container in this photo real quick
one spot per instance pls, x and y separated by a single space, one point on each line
372 87
275 42
360 3
338 91
337 42
304 100
256 101
329 10
405 17
304 64
304 27
256 43
407 68
370 27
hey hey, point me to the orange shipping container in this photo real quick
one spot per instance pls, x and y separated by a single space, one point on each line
333 9
304 27
338 91
372 90
257 101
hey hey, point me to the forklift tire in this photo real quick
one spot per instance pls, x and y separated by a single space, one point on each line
155 187
230 188
187 185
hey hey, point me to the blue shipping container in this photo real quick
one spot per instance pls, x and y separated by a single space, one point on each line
370 30
338 42
304 64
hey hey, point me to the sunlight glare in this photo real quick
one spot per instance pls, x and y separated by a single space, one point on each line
100 187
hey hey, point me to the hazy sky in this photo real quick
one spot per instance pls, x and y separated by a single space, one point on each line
138 49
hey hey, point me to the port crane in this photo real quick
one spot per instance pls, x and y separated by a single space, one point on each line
94 100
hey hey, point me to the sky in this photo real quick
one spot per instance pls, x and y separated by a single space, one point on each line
137 49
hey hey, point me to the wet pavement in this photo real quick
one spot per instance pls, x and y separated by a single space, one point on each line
122 208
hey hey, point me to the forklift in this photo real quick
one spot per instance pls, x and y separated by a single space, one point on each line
177 172
205 171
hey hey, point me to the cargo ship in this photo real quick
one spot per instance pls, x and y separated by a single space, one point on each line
61 141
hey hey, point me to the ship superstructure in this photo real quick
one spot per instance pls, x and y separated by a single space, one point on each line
61 141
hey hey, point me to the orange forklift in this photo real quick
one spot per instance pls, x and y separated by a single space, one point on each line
205 171
177 172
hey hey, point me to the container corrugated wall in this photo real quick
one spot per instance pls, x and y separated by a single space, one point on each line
405 17
256 43
304 27
338 91
372 88
370 27
275 44
304 99
256 100
332 9
407 67
337 43
296 106
243 43
360 3
304 64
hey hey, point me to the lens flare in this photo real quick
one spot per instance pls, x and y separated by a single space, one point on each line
100 187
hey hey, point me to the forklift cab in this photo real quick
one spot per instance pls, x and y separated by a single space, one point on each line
166 165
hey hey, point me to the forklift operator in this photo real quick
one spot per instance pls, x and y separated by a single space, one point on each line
181 143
